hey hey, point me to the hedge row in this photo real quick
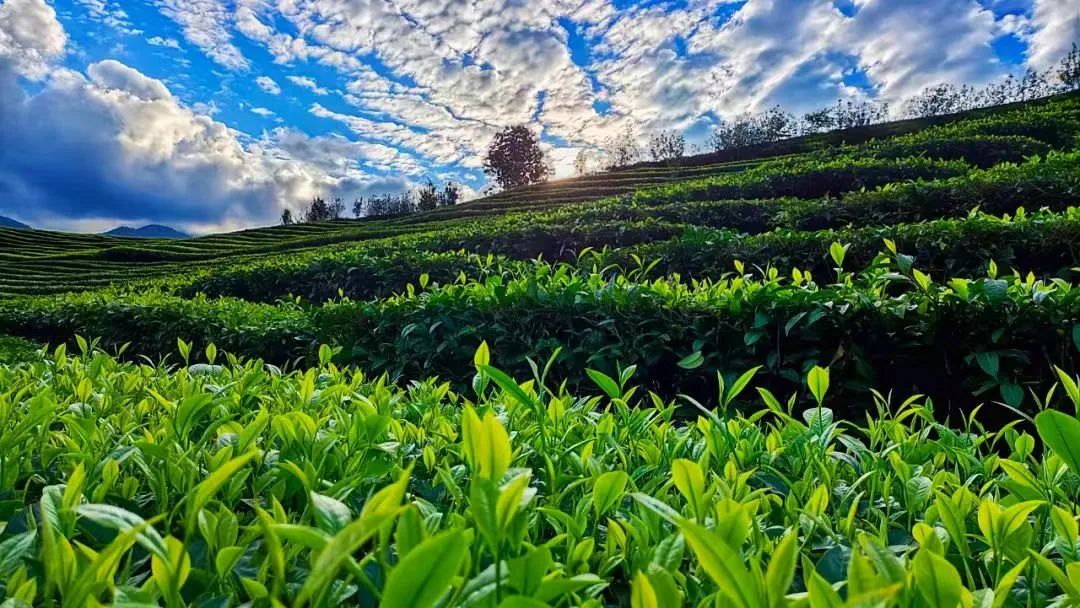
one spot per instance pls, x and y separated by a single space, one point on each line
1046 245
805 177
783 229
977 150
890 328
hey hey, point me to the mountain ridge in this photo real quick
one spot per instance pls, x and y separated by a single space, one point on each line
7 222
149 231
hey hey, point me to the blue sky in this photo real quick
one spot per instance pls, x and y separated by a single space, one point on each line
217 114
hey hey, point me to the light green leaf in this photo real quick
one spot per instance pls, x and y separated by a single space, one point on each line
822 595
482 356
507 384
209 486
605 382
692 361
608 491
937 580
330 514
818 381
690 481
723 564
739 385
1061 432
424 575
781 570
380 510
123 521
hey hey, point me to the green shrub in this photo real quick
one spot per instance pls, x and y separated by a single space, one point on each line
236 484
979 150
804 177
883 328
16 350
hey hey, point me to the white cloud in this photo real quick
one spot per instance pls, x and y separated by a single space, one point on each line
31 38
308 83
1056 26
113 16
165 42
112 75
206 25
154 159
909 46
267 84
262 112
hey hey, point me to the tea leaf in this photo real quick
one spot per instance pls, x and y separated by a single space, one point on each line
1061 433
424 575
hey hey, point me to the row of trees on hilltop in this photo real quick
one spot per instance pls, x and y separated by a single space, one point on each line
515 157
425 198
777 124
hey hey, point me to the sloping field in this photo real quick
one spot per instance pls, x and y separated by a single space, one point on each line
988 197
845 376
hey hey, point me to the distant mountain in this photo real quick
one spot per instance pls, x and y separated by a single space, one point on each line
7 222
150 231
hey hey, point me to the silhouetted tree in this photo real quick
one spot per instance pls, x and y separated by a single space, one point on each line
776 124
1069 71
744 130
450 196
378 205
844 115
851 114
818 121
938 100
336 209
317 211
581 162
321 211
667 146
358 208
514 158
286 217
622 149
427 197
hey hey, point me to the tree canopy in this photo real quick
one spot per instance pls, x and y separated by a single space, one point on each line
514 158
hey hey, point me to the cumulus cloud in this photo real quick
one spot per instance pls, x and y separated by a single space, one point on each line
308 83
206 25
114 145
165 42
111 75
31 38
151 156
1056 26
267 84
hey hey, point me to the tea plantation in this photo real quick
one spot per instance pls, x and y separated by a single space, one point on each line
838 372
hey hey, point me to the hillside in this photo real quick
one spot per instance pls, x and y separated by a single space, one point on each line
947 198
841 375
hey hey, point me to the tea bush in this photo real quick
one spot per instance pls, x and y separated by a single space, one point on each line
232 483
892 326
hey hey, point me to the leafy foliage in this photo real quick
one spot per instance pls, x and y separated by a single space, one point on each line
129 483
514 158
